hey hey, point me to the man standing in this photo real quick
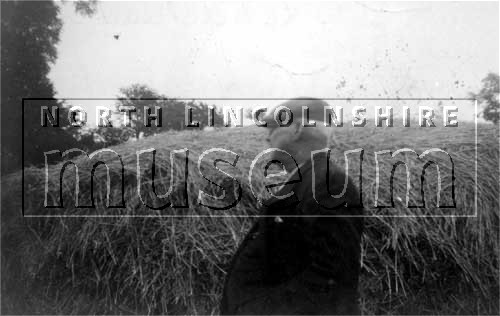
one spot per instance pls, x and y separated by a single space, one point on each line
303 257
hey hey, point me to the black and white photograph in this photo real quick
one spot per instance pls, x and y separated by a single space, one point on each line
249 157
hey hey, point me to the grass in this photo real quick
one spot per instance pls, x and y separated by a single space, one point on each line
171 265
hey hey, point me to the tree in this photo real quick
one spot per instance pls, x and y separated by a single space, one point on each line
173 111
138 96
86 8
488 98
29 34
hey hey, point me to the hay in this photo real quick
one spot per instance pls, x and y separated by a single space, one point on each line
176 265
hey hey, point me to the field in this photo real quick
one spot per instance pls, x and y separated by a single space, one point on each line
176 265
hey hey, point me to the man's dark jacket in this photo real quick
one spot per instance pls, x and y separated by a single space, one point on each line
301 265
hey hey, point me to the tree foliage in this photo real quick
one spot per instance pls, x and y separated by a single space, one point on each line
172 110
29 34
86 8
488 98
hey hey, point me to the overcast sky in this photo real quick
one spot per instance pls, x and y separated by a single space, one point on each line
279 50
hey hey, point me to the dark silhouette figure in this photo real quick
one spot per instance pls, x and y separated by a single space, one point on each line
300 265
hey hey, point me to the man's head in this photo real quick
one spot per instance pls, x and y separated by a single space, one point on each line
293 137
